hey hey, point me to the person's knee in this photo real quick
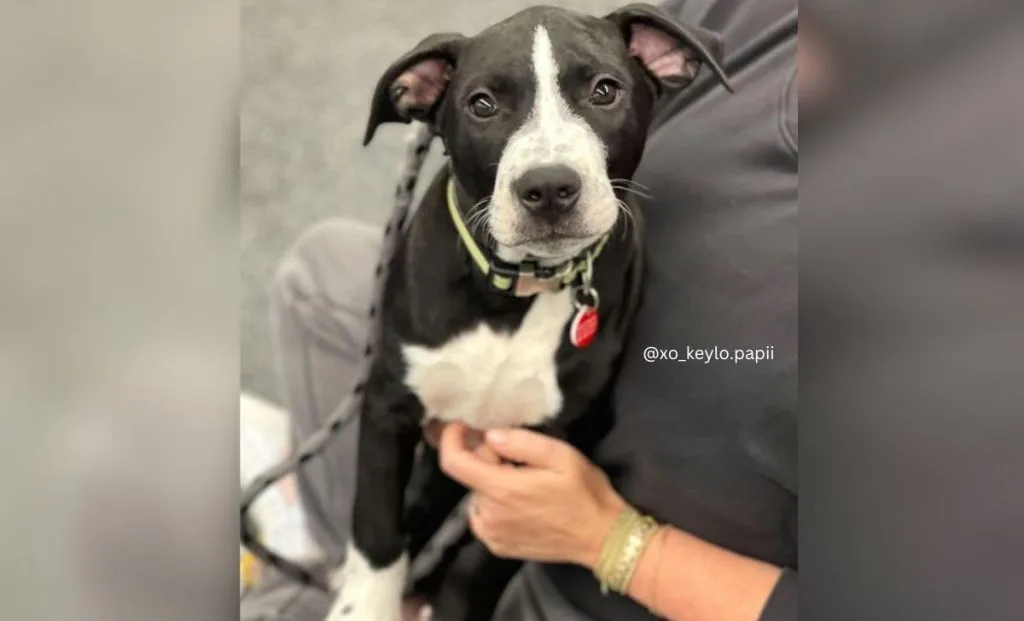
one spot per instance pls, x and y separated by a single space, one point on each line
330 265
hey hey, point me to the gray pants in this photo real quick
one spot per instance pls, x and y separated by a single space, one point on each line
320 300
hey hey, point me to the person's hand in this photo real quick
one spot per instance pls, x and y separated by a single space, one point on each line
415 608
554 507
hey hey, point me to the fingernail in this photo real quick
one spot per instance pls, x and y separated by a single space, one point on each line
496 437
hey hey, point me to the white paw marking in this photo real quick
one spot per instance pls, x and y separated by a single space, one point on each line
365 593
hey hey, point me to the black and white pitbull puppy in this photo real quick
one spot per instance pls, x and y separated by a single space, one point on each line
544 117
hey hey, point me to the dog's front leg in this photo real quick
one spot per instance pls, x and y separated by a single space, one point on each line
373 578
432 496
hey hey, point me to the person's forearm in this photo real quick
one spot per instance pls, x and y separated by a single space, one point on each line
682 577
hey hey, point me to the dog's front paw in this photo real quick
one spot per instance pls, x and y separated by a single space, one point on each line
352 605
368 594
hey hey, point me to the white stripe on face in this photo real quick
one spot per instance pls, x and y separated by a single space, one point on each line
552 134
549 108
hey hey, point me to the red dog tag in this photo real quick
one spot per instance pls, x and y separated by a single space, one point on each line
583 328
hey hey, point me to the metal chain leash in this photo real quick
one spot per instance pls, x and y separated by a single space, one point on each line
418 146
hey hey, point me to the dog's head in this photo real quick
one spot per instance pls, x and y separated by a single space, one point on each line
544 114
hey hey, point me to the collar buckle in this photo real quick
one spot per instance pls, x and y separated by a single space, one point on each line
506 277
503 276
541 272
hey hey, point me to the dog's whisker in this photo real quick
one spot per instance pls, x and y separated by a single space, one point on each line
628 185
482 203
631 190
622 235
479 226
629 182
476 213
630 218
475 226
475 216
637 193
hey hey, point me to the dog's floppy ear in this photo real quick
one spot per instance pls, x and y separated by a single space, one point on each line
413 85
671 52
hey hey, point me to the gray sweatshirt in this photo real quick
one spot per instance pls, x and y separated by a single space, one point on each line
710 445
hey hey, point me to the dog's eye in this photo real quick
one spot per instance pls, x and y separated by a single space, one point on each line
605 93
482 106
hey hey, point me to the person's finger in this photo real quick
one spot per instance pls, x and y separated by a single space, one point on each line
485 454
530 448
473 438
460 462
432 432
473 518
415 608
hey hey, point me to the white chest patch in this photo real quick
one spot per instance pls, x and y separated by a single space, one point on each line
490 379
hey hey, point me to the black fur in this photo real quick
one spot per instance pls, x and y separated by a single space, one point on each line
434 292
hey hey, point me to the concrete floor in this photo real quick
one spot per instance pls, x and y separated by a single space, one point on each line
308 70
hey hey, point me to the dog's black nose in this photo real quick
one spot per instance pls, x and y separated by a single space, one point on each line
549 191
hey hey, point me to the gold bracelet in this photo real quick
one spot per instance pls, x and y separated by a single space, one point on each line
638 544
622 549
613 545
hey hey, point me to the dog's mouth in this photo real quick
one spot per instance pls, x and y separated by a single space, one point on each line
568 231
552 247
519 234
550 239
